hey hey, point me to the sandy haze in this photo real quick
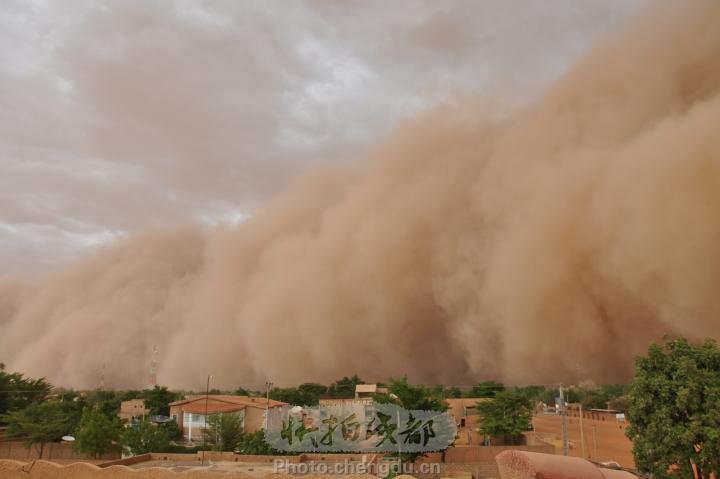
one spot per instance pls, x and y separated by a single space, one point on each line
550 244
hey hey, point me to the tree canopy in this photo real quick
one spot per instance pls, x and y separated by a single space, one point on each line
508 414
674 413
344 387
241 391
411 396
38 424
18 391
97 433
486 389
307 394
254 443
157 400
145 437
224 431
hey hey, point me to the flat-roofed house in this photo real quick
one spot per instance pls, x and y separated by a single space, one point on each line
190 413
133 409
367 390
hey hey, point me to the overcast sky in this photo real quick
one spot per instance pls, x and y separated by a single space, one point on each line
120 116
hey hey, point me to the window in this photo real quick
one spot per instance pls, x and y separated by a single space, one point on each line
197 420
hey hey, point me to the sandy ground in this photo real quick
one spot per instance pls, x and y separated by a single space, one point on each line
607 443
65 462
253 469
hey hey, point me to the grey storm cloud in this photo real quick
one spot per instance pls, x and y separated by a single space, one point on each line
119 117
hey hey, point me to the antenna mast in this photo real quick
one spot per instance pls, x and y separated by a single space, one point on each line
153 367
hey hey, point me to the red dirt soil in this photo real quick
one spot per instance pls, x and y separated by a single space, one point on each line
612 444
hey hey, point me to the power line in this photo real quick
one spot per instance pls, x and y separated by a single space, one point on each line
22 391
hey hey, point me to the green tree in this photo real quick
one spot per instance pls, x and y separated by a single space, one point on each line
254 443
441 391
145 437
307 394
17 391
108 402
508 414
453 392
241 391
224 431
486 389
674 413
589 398
533 393
411 396
288 395
549 396
157 400
345 387
621 403
311 393
592 396
130 394
38 424
72 411
171 428
97 433
610 392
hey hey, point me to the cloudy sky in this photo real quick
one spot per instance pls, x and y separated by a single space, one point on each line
123 116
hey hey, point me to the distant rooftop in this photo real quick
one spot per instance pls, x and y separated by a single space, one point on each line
362 389
224 403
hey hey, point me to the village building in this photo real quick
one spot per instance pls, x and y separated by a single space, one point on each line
191 414
367 390
133 409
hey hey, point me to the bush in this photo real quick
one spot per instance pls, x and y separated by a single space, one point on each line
146 437
38 424
509 413
97 433
178 449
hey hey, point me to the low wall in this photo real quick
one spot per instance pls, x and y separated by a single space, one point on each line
218 456
232 457
477 454
480 470
54 450
528 465
167 456
128 461
368 457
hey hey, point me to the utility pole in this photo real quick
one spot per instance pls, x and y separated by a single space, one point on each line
153 367
595 454
268 385
400 463
582 432
563 417
205 432
101 386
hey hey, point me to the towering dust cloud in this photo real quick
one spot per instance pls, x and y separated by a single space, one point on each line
551 244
